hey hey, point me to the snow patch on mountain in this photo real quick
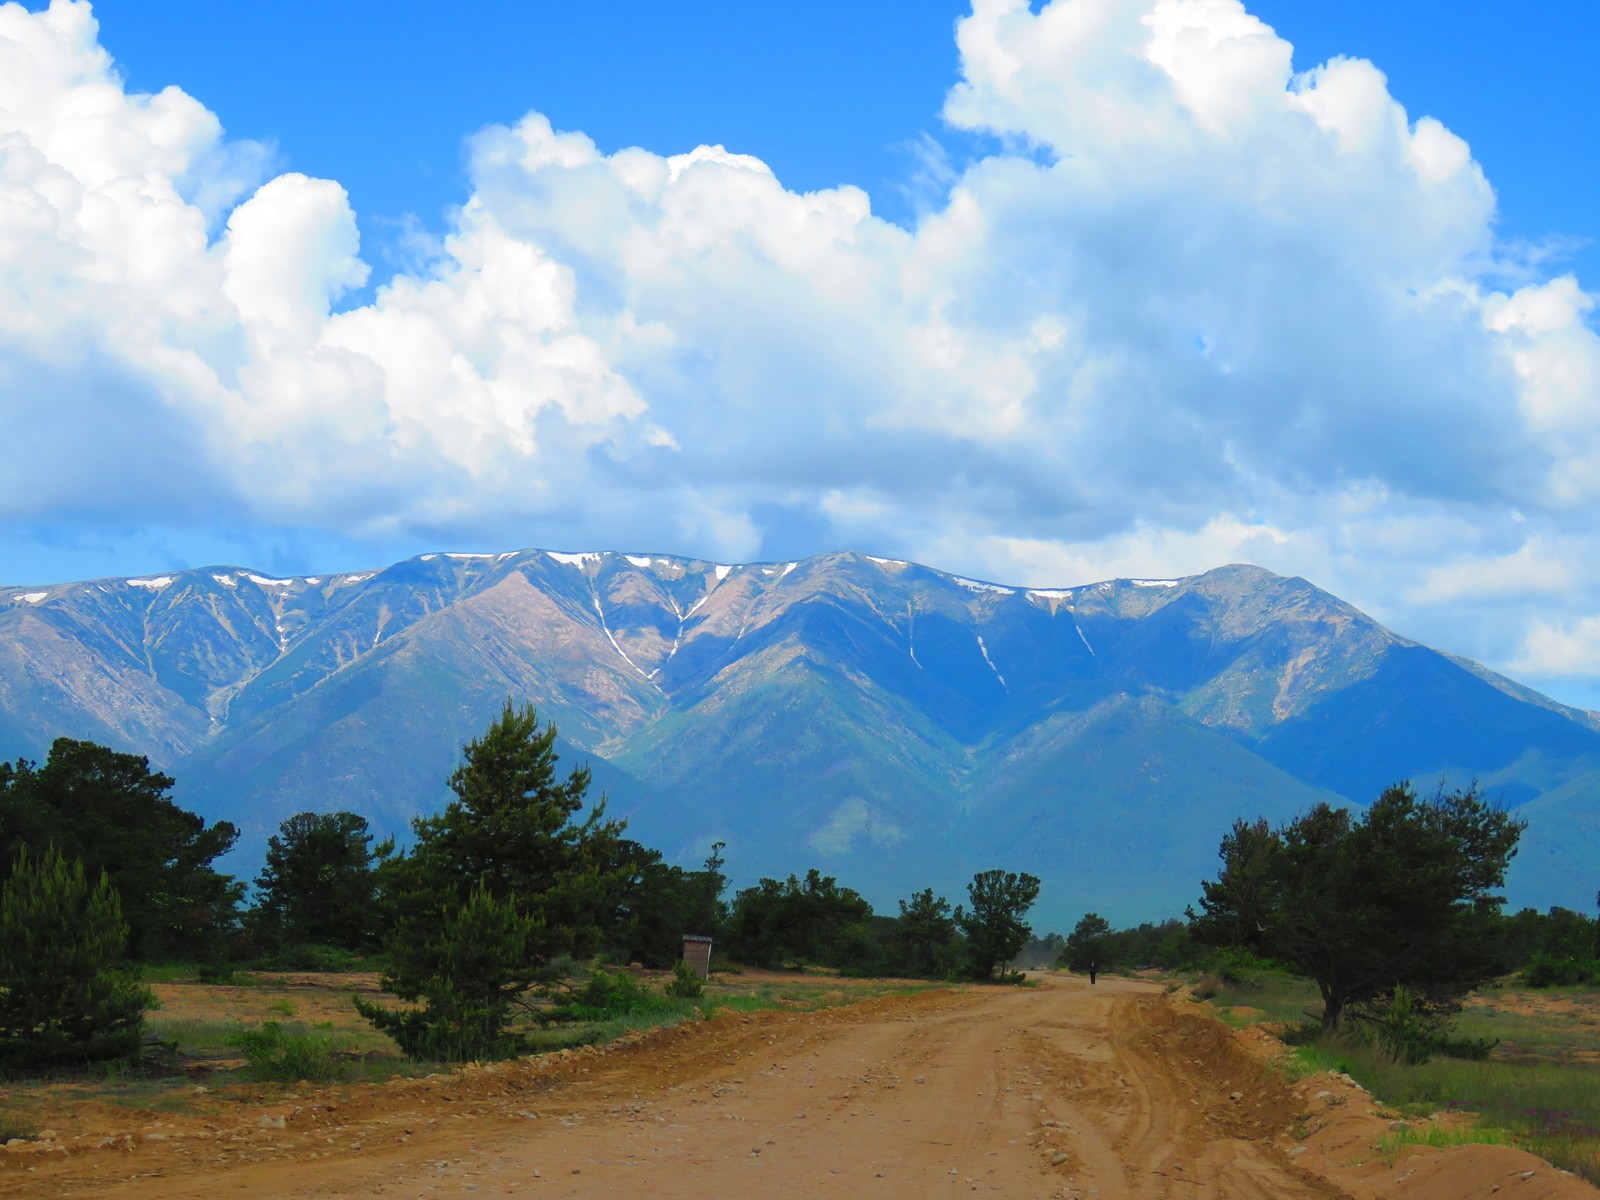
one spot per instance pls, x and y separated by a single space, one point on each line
155 585
606 629
575 560
990 661
1079 630
973 585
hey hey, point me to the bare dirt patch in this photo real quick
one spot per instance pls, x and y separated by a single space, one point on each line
1062 1090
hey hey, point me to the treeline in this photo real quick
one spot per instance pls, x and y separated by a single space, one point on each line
478 925
481 923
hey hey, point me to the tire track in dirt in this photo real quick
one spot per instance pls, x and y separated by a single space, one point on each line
1056 1091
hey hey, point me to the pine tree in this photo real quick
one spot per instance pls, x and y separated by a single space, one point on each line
63 997
319 882
499 886
1401 895
113 812
472 971
994 926
1086 947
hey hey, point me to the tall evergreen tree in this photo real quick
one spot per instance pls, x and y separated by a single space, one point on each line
319 884
798 921
1087 946
1401 896
923 941
511 860
112 812
994 925
662 902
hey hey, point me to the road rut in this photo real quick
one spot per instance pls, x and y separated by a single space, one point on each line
1061 1090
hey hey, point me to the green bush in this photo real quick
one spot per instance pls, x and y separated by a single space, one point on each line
1236 965
1549 970
1402 1030
1408 1030
311 956
607 996
453 1027
221 973
273 1053
686 983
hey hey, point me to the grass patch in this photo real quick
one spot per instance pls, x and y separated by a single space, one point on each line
15 1125
168 972
1549 1108
288 1054
315 959
197 1037
1440 1137
1253 996
1533 1091
1561 1032
660 1010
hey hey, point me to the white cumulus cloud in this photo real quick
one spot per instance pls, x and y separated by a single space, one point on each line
1199 302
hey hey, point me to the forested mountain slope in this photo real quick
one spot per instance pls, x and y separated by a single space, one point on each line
893 724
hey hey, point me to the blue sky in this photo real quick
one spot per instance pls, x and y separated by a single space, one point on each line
1118 293
380 95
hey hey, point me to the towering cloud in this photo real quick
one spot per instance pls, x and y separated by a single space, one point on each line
1193 306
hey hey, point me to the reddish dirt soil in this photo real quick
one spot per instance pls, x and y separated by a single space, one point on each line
1063 1090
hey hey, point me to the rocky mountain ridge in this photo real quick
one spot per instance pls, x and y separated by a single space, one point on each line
878 718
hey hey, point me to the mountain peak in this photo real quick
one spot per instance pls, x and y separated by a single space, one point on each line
868 714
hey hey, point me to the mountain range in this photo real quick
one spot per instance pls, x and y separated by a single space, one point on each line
894 725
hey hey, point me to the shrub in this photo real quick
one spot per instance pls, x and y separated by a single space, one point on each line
63 996
310 956
220 973
273 1053
686 983
607 996
1549 970
1406 1029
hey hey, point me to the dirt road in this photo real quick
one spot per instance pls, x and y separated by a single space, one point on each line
1055 1091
